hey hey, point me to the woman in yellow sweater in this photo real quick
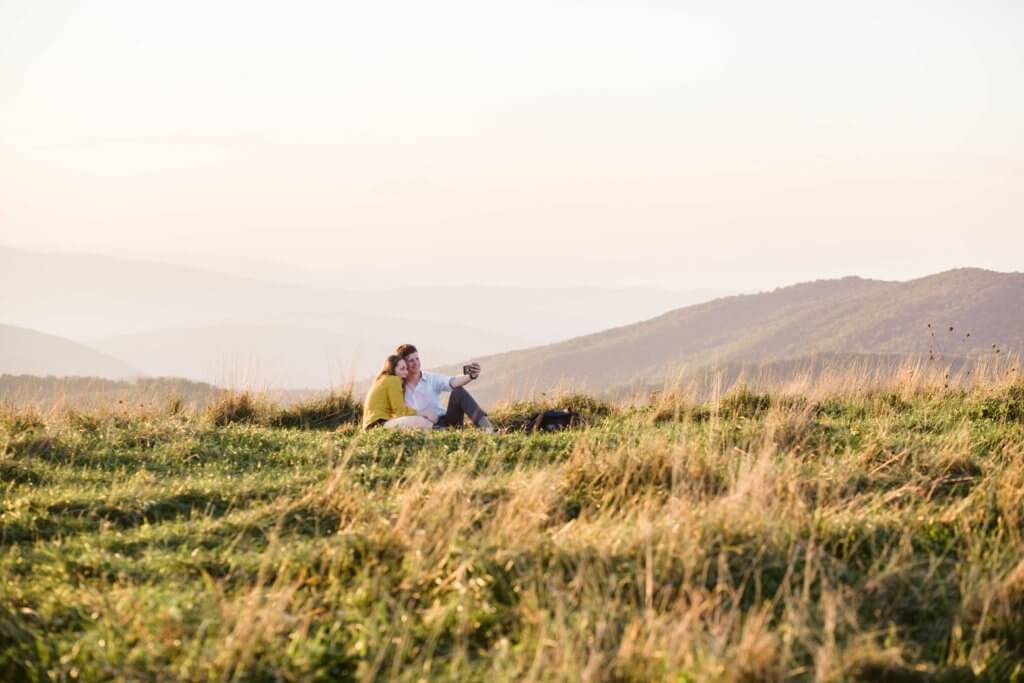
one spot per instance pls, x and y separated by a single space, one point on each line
385 402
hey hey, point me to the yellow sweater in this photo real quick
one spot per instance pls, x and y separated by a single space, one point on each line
385 400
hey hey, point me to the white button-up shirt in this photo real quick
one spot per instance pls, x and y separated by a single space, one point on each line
426 395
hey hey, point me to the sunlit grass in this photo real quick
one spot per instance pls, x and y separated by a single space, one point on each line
858 535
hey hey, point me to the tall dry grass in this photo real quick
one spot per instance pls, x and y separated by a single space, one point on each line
848 532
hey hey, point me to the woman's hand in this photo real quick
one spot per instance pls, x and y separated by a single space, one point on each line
429 414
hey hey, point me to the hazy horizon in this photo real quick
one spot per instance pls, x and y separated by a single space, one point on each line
737 146
279 273
289 275
170 320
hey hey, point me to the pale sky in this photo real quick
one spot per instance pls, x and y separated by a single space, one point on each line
735 145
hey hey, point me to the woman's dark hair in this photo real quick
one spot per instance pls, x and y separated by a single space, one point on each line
390 363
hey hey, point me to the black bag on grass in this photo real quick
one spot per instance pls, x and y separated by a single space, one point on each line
552 421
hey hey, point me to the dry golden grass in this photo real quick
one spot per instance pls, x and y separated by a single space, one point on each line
869 534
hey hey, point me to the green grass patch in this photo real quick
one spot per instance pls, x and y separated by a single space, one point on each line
766 537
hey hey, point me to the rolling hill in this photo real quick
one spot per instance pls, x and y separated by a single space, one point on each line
960 313
27 352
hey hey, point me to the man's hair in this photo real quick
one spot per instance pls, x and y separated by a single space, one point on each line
405 350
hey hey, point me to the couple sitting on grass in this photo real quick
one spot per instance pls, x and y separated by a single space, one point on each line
405 397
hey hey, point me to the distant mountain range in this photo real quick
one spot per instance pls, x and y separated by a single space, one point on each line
171 320
27 352
88 296
960 313
280 355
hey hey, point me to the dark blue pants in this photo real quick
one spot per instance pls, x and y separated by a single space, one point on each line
460 404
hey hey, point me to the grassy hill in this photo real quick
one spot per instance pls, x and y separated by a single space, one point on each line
45 394
962 313
27 352
62 394
856 536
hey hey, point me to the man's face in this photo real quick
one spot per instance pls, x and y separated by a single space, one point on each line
413 363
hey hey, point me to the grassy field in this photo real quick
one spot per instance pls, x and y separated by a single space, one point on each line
864 535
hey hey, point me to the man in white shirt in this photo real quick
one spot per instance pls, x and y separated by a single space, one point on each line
423 392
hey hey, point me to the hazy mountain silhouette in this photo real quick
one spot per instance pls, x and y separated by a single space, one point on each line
87 296
955 315
968 310
272 355
543 315
27 352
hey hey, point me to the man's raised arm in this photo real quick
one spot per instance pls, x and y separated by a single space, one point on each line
462 380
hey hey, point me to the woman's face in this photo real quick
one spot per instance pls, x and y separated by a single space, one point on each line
401 369
414 361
